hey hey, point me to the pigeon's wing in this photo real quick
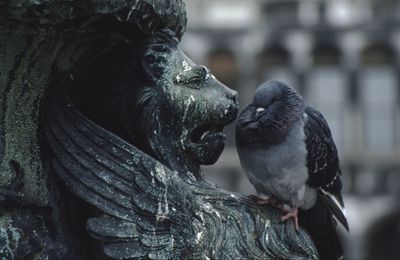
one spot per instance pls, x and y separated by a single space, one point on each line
139 201
323 163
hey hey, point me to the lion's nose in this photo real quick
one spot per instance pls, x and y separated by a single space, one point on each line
233 95
234 106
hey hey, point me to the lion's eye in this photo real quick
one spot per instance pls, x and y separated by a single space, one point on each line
195 80
192 78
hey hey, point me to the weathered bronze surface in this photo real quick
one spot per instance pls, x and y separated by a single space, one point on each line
112 170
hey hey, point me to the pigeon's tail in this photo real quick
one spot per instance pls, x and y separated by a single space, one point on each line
335 206
321 226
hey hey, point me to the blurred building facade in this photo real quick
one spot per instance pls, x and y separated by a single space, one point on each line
343 56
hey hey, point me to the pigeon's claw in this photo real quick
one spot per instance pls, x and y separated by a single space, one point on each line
291 213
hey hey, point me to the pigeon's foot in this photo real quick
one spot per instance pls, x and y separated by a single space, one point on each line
291 213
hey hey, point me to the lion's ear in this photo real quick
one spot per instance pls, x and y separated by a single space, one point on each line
154 61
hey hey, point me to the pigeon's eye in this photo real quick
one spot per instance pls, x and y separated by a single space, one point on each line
259 111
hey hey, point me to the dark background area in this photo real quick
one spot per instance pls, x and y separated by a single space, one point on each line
343 56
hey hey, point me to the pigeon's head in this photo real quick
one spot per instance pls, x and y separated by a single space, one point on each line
275 108
273 93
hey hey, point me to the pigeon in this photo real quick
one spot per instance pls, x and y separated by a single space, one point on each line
286 148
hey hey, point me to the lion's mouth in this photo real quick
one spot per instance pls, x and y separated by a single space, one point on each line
207 142
206 132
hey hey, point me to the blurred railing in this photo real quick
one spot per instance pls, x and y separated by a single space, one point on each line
343 56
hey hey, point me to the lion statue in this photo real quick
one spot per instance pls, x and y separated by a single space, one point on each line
128 139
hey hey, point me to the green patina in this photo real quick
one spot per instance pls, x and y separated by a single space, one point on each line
27 84
38 38
9 238
11 46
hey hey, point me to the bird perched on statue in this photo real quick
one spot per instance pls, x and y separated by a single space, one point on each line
287 151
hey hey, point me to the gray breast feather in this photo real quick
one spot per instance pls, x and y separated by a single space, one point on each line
281 170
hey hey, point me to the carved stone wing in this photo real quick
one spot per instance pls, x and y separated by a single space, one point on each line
135 192
148 211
